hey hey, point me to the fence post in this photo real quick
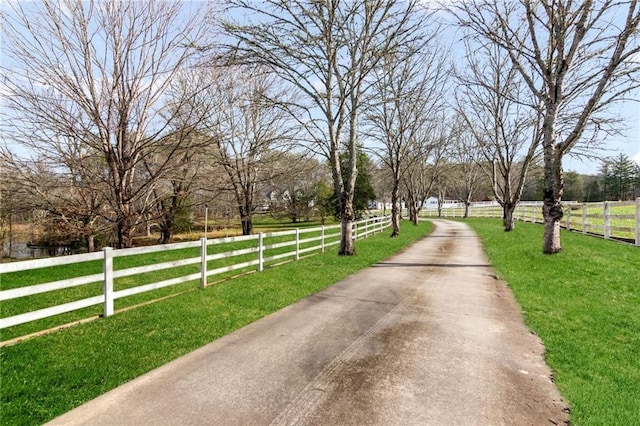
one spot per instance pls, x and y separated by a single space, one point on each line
532 214
297 243
107 285
638 221
569 219
203 262
355 231
607 221
584 218
322 239
260 252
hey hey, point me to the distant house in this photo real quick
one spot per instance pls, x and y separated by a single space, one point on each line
432 203
382 205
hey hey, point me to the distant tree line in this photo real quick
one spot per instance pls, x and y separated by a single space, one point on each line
618 180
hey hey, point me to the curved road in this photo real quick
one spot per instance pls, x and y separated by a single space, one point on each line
427 337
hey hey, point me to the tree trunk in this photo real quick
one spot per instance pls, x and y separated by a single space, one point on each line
414 213
347 246
552 199
125 232
467 204
507 216
412 208
245 208
247 226
395 211
91 243
165 235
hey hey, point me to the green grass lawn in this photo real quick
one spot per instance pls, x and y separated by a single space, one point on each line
52 298
48 375
585 305
622 226
596 224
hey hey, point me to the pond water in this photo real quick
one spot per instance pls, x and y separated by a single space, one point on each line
22 250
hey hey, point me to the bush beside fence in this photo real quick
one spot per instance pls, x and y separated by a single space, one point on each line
102 278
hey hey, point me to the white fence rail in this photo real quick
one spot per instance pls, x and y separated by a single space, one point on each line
611 220
263 248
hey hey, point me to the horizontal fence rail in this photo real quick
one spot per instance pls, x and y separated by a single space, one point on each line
193 261
612 219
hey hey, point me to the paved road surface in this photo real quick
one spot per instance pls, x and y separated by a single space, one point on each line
428 337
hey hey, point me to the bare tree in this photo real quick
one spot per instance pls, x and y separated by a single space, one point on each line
243 111
70 190
465 173
97 71
503 118
172 198
295 183
577 58
327 50
426 170
411 83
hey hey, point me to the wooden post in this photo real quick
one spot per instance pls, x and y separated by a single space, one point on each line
260 252
607 221
297 243
569 219
206 219
203 262
322 239
107 284
638 221
584 218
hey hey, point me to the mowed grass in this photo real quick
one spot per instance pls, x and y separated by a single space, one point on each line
46 376
53 298
622 220
585 305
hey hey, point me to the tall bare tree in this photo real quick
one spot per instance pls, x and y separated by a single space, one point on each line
328 50
294 183
426 170
577 58
465 172
172 198
411 83
503 117
97 71
70 189
244 111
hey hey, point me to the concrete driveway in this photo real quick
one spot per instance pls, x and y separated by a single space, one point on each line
427 337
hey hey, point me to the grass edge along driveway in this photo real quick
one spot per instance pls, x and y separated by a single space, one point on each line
584 303
46 376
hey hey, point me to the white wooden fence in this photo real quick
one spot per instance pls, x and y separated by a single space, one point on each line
261 250
611 220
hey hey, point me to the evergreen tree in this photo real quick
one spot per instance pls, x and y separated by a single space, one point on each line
573 186
619 178
363 191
